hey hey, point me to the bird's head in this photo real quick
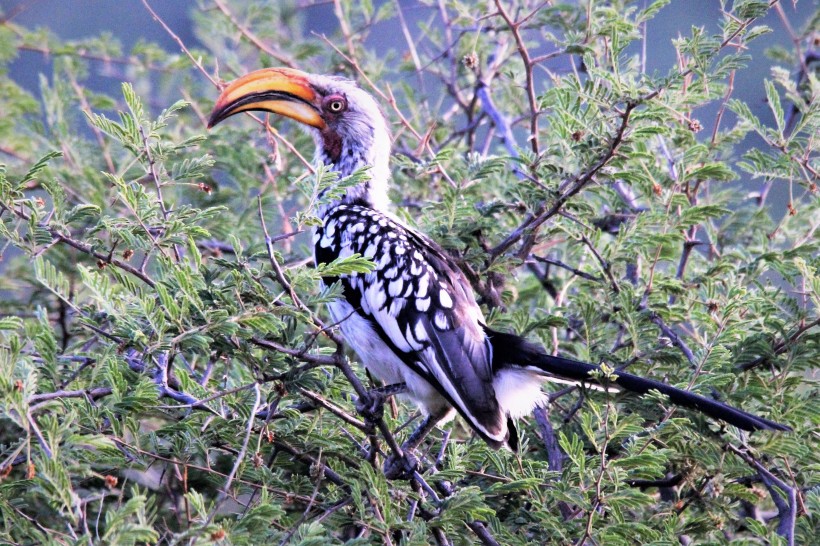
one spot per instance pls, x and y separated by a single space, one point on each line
347 124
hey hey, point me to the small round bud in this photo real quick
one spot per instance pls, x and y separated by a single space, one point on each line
470 61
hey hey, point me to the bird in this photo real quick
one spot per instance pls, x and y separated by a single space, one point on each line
413 320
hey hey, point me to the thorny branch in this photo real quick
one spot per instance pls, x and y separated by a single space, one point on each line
251 37
783 345
784 496
527 229
528 66
530 225
85 248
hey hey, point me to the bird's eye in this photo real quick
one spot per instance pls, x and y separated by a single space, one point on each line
336 104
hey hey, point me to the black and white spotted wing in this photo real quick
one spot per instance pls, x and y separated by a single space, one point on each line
421 307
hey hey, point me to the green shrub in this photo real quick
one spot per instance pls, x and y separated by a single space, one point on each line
166 376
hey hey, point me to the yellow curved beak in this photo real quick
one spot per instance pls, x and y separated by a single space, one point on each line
283 91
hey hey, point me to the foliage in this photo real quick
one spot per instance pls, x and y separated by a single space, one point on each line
165 374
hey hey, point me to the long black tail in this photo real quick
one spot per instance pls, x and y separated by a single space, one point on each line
513 351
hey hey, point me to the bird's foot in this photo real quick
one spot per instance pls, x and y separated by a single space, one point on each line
401 468
371 406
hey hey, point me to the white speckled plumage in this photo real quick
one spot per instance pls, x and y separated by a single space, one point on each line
413 319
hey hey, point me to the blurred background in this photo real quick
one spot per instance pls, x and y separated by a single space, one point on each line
130 23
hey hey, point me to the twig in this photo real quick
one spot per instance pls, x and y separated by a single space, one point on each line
179 42
152 171
781 346
555 456
676 340
86 109
304 515
334 409
252 38
319 360
277 270
786 507
85 248
482 533
562 265
530 81
242 452
92 394
500 122
532 223
606 267
40 439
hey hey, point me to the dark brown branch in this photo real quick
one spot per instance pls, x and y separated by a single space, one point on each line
85 248
532 223
782 346
530 81
571 269
783 495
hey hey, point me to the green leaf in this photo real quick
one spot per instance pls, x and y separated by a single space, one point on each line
11 323
773 98
346 266
37 168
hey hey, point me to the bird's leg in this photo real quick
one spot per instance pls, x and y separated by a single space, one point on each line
417 437
403 467
371 406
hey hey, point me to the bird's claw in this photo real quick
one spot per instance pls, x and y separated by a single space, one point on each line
371 406
401 468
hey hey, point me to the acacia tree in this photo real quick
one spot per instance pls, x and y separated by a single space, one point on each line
168 374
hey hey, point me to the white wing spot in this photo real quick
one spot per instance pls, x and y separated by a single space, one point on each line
395 308
423 283
440 320
423 304
411 339
419 333
395 287
444 299
384 261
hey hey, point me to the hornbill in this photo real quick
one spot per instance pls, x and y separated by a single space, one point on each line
413 319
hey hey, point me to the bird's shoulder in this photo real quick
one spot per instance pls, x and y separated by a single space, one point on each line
412 278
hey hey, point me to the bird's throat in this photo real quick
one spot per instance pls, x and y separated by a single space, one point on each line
331 146
347 158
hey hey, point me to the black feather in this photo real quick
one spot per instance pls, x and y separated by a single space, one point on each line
510 350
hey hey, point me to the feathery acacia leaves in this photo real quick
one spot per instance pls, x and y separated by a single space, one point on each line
168 375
